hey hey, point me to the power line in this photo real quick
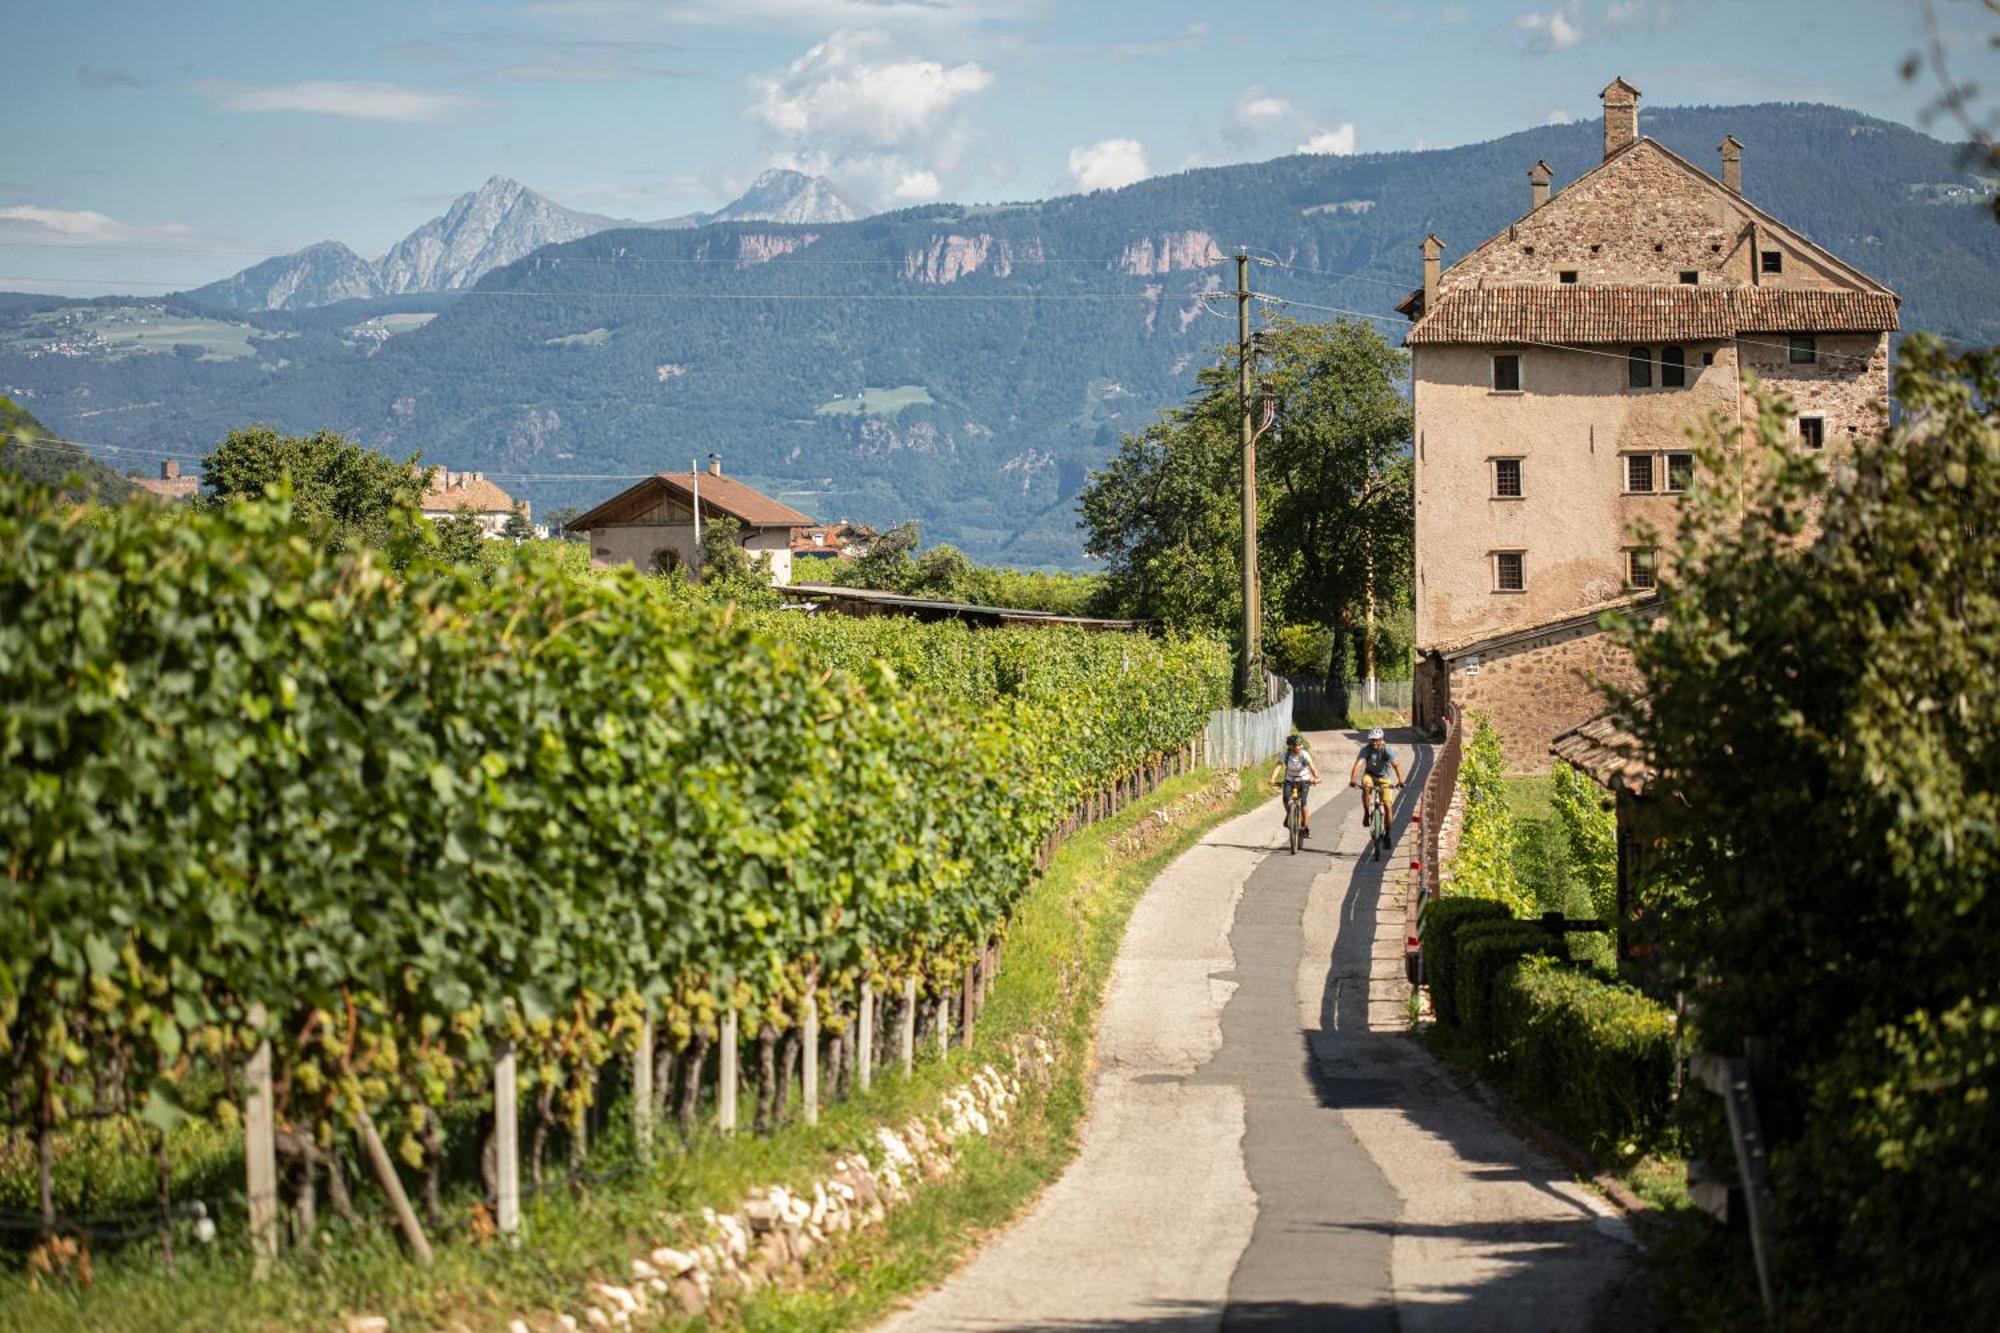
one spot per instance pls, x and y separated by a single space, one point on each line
58 444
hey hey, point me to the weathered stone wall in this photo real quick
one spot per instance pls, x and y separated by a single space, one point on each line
1542 686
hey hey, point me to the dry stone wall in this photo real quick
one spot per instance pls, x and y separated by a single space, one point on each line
1540 687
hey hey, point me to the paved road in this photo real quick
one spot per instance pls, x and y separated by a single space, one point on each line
1265 1150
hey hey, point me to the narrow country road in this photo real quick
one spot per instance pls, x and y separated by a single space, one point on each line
1265 1148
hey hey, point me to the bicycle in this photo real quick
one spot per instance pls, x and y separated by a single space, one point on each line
1295 813
1378 813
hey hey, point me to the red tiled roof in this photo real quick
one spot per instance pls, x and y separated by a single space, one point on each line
1605 748
455 491
1605 314
719 495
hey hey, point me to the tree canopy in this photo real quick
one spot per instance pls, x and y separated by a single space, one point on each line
342 491
1819 695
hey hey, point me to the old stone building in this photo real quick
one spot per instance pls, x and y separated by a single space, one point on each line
1557 371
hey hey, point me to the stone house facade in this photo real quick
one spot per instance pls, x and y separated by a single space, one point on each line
1558 371
651 525
454 493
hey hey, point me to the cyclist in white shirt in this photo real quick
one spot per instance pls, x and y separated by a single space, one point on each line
1295 768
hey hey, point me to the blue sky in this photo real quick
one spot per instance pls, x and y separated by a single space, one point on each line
174 143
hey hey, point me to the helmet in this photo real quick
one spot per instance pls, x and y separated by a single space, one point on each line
1375 733
1295 739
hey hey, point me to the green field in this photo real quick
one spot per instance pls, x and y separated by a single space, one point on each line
594 338
876 402
118 331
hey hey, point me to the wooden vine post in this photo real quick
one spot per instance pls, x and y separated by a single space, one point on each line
507 1145
809 1074
725 1093
642 1088
260 1151
909 1026
392 1186
864 1039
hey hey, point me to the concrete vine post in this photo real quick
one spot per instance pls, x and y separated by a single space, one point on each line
642 1088
909 1026
864 1040
725 1092
809 1074
260 1151
968 999
507 1145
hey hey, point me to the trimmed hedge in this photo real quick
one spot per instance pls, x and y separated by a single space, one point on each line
1486 949
1439 927
1596 1057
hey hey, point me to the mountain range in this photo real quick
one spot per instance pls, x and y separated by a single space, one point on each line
966 366
498 223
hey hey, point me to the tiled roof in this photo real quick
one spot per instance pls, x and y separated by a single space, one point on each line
169 488
1605 749
1606 314
755 508
1491 640
476 494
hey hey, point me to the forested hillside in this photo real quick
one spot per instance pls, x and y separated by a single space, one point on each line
965 366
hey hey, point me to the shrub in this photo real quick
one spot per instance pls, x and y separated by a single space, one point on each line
1485 951
1595 1057
1590 837
1442 921
1484 865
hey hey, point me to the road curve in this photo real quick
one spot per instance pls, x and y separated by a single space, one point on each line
1265 1148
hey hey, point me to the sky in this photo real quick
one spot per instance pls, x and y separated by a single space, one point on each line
150 146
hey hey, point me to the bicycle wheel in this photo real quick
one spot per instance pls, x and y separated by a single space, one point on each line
1380 827
1292 823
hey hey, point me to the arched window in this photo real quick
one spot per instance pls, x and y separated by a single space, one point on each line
1673 367
1639 368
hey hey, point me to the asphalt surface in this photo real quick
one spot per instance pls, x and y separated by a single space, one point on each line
1266 1148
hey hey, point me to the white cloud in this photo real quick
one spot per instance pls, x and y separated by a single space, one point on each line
30 224
1560 26
1629 12
356 101
1258 110
1556 116
825 14
885 126
917 187
1108 164
1339 141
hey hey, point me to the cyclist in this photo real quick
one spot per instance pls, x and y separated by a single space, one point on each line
1295 768
1379 761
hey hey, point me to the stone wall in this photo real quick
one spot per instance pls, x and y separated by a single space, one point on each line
1539 687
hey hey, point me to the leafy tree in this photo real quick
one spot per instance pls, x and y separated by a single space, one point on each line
344 492
517 528
460 538
559 520
885 564
1334 487
27 448
1820 692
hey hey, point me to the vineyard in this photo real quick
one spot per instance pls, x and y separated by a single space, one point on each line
333 844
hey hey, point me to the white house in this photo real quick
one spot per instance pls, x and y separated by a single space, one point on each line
651 525
451 493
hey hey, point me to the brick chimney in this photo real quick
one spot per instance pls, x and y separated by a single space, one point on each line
1433 247
170 470
1621 115
1539 177
1732 164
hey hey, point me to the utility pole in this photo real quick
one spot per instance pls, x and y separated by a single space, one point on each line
1253 655
694 478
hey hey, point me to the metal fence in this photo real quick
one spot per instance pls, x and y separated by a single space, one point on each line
1239 736
1311 695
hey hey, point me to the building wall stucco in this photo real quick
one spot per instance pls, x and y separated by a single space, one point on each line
640 544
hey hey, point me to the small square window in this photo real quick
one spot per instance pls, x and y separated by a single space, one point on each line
1639 368
1804 350
1510 571
1690 278
1639 474
1567 276
1771 261
1812 431
1708 358
1680 471
1641 568
1507 478
1507 373
1673 367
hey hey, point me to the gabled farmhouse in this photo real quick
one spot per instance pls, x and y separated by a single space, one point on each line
651 525
453 493
1557 370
